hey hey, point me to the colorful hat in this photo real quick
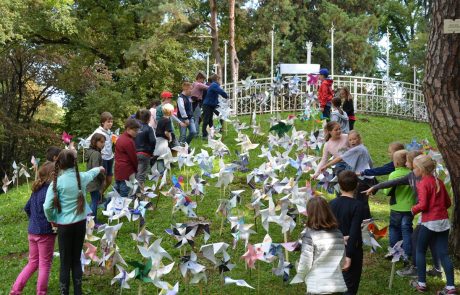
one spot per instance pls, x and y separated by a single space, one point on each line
166 94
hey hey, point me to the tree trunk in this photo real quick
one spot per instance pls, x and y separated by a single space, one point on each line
215 37
233 56
442 96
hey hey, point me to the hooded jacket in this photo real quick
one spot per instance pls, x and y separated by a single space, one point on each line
325 92
93 159
342 119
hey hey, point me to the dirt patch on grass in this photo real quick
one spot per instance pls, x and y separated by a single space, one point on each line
11 256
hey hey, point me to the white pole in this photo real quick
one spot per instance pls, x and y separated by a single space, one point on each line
332 50
388 54
415 75
207 66
272 51
309 46
225 64
272 66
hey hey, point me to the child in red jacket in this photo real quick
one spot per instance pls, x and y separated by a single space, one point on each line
433 202
325 93
125 157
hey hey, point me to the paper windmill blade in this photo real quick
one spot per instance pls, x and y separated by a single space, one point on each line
123 277
139 209
369 238
115 136
283 269
251 256
327 181
141 271
149 191
210 251
248 83
312 79
167 159
186 205
202 227
133 185
34 161
90 228
118 207
246 145
23 171
91 252
6 182
281 128
197 185
84 261
168 289
159 270
83 143
144 236
241 283
183 233
225 265
66 138
294 85
155 251
178 182
240 231
188 263
110 232
396 251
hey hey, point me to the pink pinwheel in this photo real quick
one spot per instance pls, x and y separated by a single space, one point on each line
312 79
91 251
66 138
252 255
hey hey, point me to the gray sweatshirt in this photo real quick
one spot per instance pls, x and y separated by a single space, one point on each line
342 119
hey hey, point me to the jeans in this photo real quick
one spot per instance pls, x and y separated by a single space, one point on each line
70 240
191 131
440 240
197 116
95 198
40 257
327 112
208 112
435 259
143 165
121 188
401 229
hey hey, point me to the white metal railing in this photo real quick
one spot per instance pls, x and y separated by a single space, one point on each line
370 95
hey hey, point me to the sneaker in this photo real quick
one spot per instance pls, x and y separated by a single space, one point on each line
434 273
410 271
446 291
418 288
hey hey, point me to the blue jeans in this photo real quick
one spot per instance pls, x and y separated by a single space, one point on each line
95 197
121 188
191 131
401 229
440 240
143 165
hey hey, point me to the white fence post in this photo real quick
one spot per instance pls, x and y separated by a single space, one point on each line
355 94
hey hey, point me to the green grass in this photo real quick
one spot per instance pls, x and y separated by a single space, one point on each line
377 133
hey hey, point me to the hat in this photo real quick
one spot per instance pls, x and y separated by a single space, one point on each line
324 72
166 94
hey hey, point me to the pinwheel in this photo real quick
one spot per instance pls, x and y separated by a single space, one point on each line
139 209
184 204
155 174
264 248
315 142
240 230
143 236
23 172
294 85
369 87
371 233
281 128
312 79
34 161
167 159
248 83
91 252
224 109
123 277
66 138
225 174
188 263
89 229
133 185
197 186
168 289
163 180
15 178
202 227
115 136
110 233
6 182
283 269
218 148
246 145
178 182
155 252
118 207
149 191
141 270
252 255
158 271
224 265
397 252
299 199
326 179
111 256
183 233
241 283
205 162
256 202
210 251
184 157
84 261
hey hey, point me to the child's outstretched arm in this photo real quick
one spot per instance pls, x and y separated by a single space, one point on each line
379 171
388 184
331 163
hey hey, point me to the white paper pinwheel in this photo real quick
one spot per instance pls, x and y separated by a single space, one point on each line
183 156
139 209
149 191
248 83
294 85
143 236
84 261
283 269
23 171
219 149
225 175
241 283
90 229
188 263
197 186
211 250
118 207
155 174
396 251
167 159
158 271
15 177
316 142
205 162
168 289
183 233
154 251
246 145
91 252
6 182
133 184
240 230
123 277
110 233
299 198
184 204
113 253
164 179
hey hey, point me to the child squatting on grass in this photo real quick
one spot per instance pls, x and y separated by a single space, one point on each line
323 251
65 205
41 236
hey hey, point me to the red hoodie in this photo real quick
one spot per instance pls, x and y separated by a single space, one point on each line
432 204
325 92
125 157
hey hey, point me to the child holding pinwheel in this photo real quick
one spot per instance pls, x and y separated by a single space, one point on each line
40 235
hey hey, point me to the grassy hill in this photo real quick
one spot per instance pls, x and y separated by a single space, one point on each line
377 133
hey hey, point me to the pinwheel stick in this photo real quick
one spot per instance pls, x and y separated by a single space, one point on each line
36 171
392 275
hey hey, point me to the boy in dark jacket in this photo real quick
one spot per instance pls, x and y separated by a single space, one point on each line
145 145
211 102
